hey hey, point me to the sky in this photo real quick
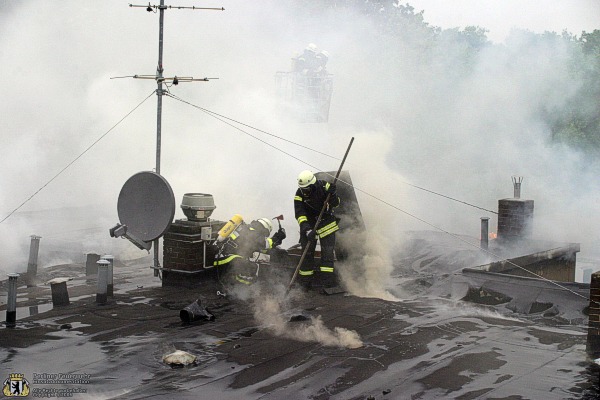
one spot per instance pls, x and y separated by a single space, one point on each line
500 17
412 122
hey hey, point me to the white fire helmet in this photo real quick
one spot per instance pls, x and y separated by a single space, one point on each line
325 53
266 222
306 178
312 47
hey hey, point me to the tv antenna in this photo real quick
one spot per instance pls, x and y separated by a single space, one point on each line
160 80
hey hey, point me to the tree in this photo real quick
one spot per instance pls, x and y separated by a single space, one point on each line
579 124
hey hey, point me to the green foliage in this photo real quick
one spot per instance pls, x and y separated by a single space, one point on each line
579 124
454 52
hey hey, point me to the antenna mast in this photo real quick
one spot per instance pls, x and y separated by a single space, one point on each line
159 93
160 79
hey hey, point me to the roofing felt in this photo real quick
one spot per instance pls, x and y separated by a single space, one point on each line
307 345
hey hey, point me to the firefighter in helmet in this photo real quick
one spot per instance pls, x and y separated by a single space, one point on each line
307 62
234 254
308 202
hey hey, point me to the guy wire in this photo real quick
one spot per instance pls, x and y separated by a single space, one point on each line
76 158
215 115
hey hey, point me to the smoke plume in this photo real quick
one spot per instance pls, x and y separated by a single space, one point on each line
421 112
268 311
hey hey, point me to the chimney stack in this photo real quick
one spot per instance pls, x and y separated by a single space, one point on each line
515 216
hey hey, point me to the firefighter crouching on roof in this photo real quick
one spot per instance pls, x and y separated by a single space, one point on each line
308 202
234 252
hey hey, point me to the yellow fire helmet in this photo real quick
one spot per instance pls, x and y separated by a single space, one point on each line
306 178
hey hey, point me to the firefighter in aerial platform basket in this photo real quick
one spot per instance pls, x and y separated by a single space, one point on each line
307 62
308 202
236 244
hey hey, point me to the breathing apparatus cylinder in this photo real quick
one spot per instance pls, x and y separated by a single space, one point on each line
229 227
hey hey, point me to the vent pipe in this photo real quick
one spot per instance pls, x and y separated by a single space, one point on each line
11 301
32 265
517 180
101 294
484 233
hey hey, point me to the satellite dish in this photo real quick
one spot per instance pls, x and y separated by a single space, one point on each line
146 208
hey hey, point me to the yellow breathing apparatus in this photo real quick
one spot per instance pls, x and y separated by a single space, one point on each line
229 227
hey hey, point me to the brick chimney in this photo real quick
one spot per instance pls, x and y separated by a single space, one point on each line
515 216
593 337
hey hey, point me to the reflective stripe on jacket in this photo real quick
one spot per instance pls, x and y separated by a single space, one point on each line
308 207
226 260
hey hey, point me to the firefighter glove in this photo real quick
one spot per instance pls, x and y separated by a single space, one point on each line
311 235
278 237
332 189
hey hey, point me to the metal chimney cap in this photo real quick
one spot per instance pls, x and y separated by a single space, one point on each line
517 180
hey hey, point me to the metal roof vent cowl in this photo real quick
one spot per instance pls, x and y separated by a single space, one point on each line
198 206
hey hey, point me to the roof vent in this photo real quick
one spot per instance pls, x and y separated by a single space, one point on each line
198 206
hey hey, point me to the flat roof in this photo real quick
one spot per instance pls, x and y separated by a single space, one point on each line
261 345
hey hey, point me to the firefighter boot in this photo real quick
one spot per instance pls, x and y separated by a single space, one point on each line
326 279
304 283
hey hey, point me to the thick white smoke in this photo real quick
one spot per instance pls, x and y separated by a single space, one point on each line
416 119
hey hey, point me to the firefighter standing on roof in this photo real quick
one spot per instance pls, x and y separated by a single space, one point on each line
308 203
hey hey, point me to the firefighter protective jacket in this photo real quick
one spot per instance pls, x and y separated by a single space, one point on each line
243 242
308 207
